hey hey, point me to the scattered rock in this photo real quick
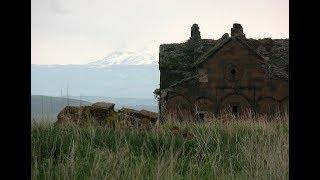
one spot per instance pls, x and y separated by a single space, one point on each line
175 131
188 135
149 115
128 111
107 106
131 114
102 112
83 114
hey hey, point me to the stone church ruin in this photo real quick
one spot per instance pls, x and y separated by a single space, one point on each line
204 77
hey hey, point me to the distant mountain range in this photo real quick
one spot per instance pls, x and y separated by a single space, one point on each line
126 58
119 74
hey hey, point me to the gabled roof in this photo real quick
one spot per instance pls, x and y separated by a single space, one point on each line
181 55
187 56
184 80
277 50
219 44
274 69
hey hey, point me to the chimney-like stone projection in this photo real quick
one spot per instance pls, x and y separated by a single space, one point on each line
237 31
195 33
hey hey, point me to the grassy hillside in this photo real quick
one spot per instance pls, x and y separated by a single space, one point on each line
236 149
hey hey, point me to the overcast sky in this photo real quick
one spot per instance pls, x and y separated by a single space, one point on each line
82 31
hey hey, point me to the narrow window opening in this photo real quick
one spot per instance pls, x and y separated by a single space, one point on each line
233 72
235 110
201 116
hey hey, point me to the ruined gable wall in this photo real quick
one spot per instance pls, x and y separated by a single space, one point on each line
221 82
249 81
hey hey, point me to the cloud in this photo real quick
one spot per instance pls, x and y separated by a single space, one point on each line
79 31
57 7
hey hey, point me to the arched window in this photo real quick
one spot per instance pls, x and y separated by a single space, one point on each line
203 109
179 108
268 106
235 104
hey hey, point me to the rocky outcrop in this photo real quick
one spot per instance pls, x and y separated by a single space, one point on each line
136 118
104 105
84 114
151 115
103 113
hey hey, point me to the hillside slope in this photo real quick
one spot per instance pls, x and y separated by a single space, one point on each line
51 106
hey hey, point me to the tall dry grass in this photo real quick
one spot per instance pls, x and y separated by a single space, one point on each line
245 147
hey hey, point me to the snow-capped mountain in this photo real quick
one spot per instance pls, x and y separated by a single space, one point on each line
143 57
133 74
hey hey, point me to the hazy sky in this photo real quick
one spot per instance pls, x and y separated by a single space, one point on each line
82 31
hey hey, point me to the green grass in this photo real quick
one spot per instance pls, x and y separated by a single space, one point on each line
236 149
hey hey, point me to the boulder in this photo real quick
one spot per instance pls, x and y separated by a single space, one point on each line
107 106
176 131
149 115
129 115
104 114
98 112
128 111
138 118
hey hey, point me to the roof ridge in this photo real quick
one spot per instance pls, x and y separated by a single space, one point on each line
184 80
219 43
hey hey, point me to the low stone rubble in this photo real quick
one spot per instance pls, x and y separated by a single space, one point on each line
142 119
104 105
176 131
84 114
104 114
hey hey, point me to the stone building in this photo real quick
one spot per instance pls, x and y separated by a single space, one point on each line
202 77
